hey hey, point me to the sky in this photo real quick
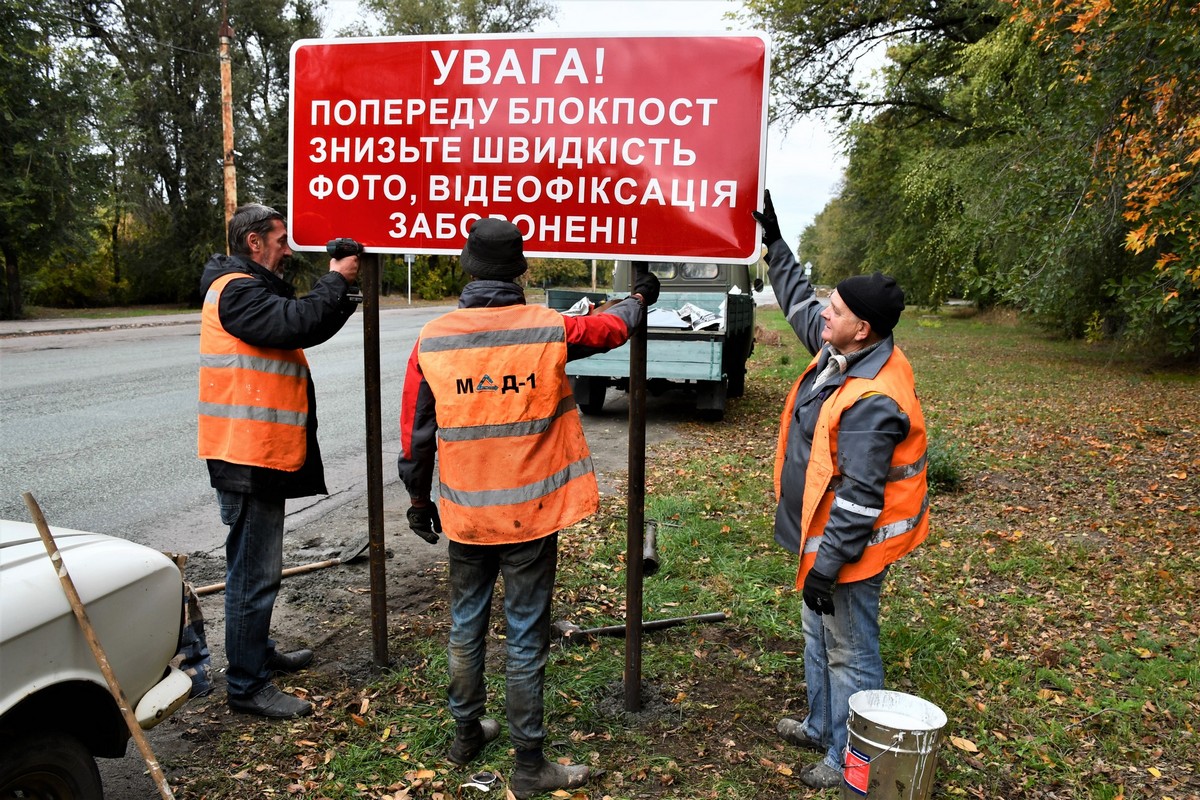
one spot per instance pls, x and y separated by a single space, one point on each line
803 165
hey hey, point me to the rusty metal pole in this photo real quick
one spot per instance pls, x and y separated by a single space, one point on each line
369 281
636 512
226 37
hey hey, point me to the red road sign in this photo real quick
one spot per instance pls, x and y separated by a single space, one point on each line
640 147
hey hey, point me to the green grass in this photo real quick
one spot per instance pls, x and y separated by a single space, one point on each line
46 312
1051 613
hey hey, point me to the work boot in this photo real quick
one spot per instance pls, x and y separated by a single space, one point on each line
272 703
820 776
470 738
289 662
792 730
530 779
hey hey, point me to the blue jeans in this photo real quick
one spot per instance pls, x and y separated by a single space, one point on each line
253 571
528 569
841 657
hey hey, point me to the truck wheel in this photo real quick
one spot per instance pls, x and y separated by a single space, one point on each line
589 394
49 765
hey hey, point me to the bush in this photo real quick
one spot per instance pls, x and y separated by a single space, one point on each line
946 463
548 272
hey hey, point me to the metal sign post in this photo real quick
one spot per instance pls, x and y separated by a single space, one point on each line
369 280
637 511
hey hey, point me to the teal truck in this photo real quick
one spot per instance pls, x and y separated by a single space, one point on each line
699 335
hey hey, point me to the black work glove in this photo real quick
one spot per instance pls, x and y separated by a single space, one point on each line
425 522
646 284
768 220
818 592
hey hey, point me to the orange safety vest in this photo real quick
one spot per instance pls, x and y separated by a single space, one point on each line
904 522
513 464
253 400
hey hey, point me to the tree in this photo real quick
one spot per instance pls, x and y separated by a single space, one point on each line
433 17
1041 153
165 56
820 47
265 32
1147 145
172 158
49 174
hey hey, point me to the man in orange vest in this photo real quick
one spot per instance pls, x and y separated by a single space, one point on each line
850 485
258 432
486 391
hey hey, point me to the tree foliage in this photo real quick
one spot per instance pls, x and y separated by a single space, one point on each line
165 56
1146 55
50 178
112 188
1038 153
431 17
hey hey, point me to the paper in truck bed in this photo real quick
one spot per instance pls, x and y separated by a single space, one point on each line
698 319
665 318
701 331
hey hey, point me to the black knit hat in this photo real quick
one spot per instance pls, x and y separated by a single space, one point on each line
493 251
875 299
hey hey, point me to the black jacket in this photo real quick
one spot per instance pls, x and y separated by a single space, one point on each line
266 313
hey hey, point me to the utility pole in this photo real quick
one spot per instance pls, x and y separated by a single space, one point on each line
226 37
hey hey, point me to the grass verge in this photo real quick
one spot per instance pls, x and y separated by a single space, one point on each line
1051 613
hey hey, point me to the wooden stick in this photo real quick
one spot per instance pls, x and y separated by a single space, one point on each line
89 633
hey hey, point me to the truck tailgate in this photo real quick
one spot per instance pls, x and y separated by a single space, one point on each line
672 354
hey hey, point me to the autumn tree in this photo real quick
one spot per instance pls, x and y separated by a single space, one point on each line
1030 152
1146 145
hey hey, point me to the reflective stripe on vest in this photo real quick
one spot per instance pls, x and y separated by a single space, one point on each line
513 464
903 522
253 406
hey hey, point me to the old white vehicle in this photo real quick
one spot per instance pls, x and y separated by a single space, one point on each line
56 711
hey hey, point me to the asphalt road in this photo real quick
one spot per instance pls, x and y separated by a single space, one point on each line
100 425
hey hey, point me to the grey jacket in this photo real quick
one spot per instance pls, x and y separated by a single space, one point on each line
868 432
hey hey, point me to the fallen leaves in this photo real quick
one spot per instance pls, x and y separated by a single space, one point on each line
966 745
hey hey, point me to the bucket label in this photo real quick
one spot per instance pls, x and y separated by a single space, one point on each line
857 773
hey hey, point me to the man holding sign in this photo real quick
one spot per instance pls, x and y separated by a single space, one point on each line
486 392
258 432
850 482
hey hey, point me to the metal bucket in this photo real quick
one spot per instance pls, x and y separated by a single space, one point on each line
891 753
